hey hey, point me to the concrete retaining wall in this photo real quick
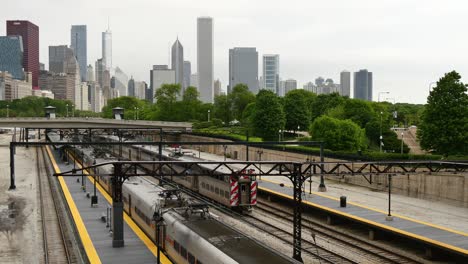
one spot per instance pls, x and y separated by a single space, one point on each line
448 188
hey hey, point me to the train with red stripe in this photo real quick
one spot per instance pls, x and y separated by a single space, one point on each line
237 190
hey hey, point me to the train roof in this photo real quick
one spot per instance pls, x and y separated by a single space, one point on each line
234 244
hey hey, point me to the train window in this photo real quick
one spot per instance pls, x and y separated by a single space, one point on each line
191 258
183 252
212 188
176 246
216 190
243 188
226 194
203 185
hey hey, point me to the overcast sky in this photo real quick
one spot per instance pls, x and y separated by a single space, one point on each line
407 44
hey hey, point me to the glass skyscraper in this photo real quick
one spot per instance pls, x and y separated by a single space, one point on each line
271 73
243 68
205 58
11 56
78 43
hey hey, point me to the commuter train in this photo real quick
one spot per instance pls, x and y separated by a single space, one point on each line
236 191
190 234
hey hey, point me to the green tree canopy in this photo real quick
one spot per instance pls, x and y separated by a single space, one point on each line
239 98
222 108
297 110
268 117
166 98
128 103
338 134
190 104
324 102
444 126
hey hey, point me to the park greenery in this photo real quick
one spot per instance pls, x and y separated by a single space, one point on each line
349 127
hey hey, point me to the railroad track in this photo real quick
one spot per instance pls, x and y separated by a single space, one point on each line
372 252
56 248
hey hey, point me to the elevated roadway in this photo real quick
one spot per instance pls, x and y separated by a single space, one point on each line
79 122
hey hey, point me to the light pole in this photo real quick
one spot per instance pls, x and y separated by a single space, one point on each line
137 109
209 115
134 113
67 110
279 135
381 131
382 93
8 111
402 142
73 110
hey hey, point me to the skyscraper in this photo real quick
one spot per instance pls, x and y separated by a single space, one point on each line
107 49
121 82
217 87
11 56
187 73
178 64
205 58
159 75
271 73
30 35
90 74
243 68
345 82
363 85
62 60
78 43
289 85
131 87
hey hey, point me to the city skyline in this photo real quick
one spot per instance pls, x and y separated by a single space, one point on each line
401 50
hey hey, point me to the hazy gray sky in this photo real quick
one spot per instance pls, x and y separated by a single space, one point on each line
407 44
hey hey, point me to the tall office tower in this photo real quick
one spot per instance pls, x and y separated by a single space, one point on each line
194 80
243 68
121 82
271 73
140 89
90 74
107 49
289 85
131 87
61 84
103 79
95 96
345 82
310 87
363 85
319 81
178 64
11 56
159 75
62 59
41 66
30 35
217 87
78 43
205 58
187 73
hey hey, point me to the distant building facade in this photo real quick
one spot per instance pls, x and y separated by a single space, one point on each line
11 88
217 87
159 75
187 73
121 82
271 70
243 68
131 87
107 49
289 85
62 59
363 85
11 56
205 58
178 64
30 36
345 83
78 43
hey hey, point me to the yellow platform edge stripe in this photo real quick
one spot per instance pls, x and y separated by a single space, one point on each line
88 245
396 230
142 235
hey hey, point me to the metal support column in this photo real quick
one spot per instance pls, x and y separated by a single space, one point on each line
39 134
322 187
26 135
247 146
389 217
297 220
117 206
12 167
160 155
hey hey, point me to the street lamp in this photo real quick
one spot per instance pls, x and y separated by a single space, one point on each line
67 110
134 113
381 131
382 93
279 135
8 111
209 115
402 142
73 110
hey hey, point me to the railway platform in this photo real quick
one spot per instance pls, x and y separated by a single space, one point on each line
430 235
94 230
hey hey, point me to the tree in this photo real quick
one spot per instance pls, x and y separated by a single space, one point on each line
128 103
358 111
325 102
338 134
222 108
268 117
444 126
239 98
190 104
166 98
296 110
